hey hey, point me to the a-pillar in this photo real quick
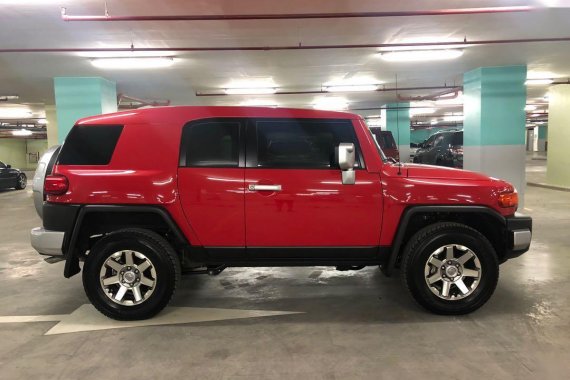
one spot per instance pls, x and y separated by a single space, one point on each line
398 122
494 125
77 97
558 158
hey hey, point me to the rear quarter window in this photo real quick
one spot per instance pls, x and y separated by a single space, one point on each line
90 145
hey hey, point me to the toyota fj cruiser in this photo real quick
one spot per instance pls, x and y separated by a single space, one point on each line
143 196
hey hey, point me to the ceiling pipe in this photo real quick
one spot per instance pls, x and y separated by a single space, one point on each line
432 97
298 16
154 103
380 89
440 45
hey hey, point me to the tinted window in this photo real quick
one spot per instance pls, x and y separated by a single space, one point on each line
302 143
2 166
439 140
210 144
429 142
90 145
457 138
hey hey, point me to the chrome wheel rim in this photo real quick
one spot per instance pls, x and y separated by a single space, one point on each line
128 278
22 181
453 272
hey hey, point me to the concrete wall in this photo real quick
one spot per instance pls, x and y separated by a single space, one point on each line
558 165
15 152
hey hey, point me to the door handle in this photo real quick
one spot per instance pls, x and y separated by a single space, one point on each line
254 187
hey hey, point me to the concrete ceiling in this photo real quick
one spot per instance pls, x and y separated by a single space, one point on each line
37 24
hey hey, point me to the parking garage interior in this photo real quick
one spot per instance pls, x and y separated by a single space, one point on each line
495 73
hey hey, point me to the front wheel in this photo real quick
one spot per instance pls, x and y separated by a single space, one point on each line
21 182
450 268
131 274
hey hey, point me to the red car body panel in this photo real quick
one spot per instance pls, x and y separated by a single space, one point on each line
213 207
314 208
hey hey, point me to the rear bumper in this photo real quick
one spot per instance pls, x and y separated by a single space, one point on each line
519 235
47 242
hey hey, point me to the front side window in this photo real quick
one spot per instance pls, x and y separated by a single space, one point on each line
302 143
429 142
2 166
210 144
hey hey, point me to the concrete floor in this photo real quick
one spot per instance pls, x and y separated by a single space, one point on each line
353 324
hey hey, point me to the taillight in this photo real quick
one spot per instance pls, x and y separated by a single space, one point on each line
55 185
509 199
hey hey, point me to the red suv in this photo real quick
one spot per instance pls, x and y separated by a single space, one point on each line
144 196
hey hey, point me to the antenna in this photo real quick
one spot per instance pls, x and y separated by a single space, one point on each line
398 127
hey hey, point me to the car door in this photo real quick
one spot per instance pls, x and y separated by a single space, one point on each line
4 175
295 203
211 181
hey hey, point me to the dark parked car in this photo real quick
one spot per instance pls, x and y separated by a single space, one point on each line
11 178
386 142
443 149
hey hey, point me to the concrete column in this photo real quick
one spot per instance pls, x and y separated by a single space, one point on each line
542 136
77 97
398 122
494 126
558 164
51 118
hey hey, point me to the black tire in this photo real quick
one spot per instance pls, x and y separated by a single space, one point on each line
21 182
426 241
156 249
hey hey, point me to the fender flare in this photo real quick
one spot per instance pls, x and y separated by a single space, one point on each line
409 212
71 257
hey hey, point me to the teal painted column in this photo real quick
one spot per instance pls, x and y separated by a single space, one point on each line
398 122
494 125
558 159
77 97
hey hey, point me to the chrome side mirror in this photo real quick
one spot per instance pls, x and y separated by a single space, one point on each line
346 160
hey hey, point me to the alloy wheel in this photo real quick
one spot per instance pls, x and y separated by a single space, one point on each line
128 277
453 272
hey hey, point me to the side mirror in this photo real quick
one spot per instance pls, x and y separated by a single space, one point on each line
9 166
346 160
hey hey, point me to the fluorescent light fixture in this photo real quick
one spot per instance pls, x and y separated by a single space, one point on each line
453 118
421 55
351 88
530 107
374 122
538 82
421 111
259 103
331 104
15 113
122 63
42 121
251 91
433 121
22 132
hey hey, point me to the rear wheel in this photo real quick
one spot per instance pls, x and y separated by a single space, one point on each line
21 182
450 268
131 274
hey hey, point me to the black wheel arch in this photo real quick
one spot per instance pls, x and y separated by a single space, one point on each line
484 219
94 221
